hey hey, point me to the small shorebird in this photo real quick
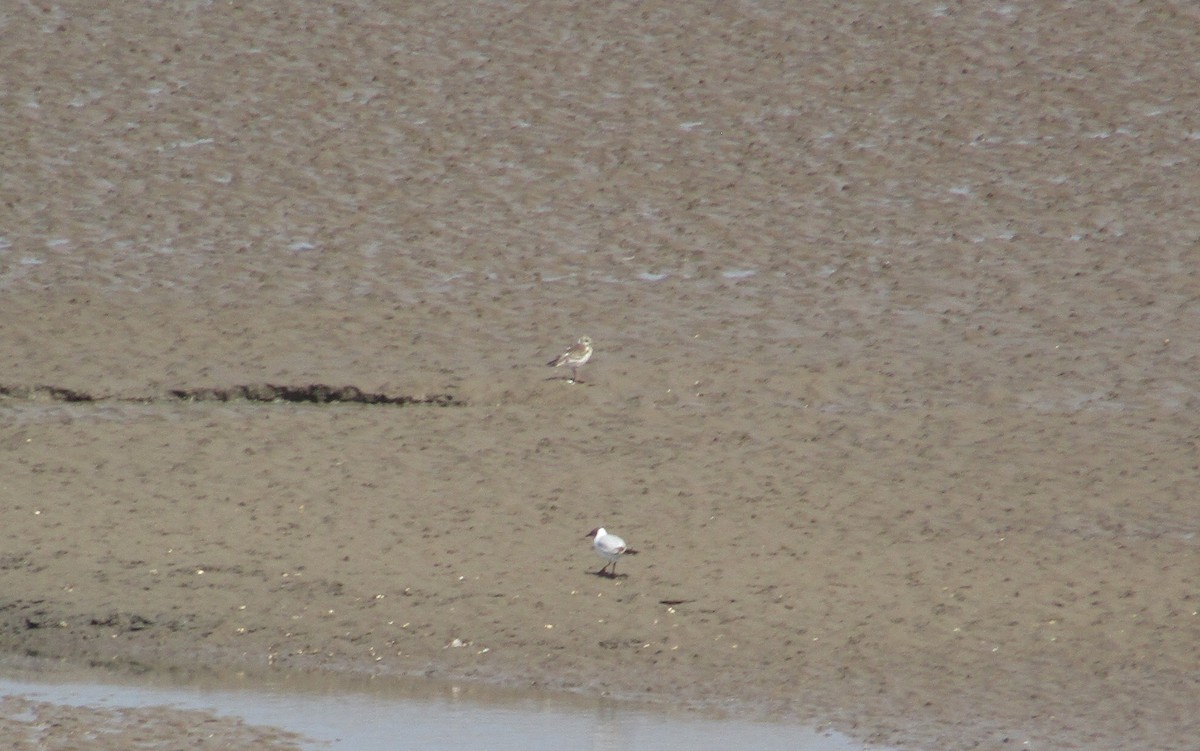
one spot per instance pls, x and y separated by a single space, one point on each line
610 548
575 356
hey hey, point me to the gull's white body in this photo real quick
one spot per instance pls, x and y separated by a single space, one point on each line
609 547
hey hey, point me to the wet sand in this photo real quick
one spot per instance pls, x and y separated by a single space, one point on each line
895 386
46 726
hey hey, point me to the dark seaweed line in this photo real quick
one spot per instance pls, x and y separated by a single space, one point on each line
316 393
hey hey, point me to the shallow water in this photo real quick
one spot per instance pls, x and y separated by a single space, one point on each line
365 720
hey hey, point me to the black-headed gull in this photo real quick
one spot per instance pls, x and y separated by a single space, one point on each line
575 356
610 548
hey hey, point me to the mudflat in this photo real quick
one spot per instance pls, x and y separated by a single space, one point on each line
895 312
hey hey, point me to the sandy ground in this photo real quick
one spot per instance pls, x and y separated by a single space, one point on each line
896 310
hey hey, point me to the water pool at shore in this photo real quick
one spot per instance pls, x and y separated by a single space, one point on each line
335 718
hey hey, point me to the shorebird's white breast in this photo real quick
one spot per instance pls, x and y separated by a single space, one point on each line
609 546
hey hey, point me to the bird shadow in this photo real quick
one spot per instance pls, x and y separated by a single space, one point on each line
607 575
